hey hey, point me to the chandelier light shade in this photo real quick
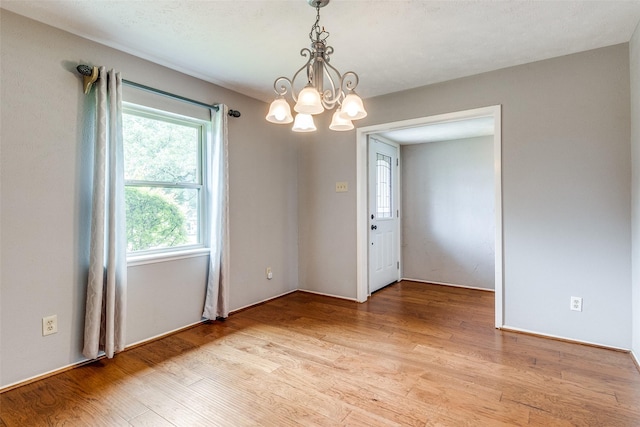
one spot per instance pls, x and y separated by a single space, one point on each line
339 123
280 112
309 101
352 108
304 123
325 88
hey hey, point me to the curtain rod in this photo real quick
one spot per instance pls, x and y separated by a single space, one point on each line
91 74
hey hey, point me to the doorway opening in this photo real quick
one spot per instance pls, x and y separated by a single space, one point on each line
362 192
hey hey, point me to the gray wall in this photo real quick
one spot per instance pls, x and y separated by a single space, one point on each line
448 212
45 202
327 236
566 190
634 54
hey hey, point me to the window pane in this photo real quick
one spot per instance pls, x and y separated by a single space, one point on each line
158 150
383 186
161 217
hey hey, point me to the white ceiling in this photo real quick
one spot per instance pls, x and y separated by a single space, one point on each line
393 45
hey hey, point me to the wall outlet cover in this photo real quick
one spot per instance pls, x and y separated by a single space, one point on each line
49 325
576 303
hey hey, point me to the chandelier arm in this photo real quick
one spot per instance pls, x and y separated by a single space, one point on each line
328 51
346 82
331 96
328 103
282 89
305 53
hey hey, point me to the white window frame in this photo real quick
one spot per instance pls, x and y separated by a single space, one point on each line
204 131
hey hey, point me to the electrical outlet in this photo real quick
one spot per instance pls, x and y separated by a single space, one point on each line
269 273
576 303
49 325
342 187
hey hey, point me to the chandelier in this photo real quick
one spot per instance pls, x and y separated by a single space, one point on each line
325 87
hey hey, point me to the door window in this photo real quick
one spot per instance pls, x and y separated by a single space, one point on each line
383 186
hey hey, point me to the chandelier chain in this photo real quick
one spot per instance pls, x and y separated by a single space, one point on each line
321 35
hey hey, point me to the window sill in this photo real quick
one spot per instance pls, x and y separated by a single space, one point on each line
136 260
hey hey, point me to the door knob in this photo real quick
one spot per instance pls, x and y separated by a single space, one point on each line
374 227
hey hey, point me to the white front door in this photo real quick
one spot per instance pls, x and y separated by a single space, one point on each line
384 259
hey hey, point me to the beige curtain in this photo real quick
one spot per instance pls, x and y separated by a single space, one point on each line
217 295
107 282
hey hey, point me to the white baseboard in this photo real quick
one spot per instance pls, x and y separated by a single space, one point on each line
447 284
328 295
44 375
635 358
164 334
507 328
235 310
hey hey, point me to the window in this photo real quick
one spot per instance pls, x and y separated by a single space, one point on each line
164 175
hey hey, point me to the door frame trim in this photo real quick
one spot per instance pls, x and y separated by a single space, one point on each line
362 235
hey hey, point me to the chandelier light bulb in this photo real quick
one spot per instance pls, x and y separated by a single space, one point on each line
351 110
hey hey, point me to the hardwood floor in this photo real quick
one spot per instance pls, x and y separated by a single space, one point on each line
415 354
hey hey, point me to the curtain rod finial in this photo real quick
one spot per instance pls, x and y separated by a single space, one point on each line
89 76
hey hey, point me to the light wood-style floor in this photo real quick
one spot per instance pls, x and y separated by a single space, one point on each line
415 355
